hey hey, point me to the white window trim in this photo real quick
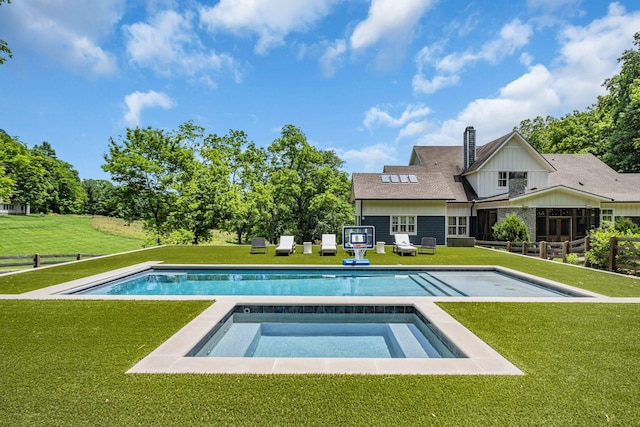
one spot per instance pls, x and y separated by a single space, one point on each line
457 226
505 179
410 233
602 215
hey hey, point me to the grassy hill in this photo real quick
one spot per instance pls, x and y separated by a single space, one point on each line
58 234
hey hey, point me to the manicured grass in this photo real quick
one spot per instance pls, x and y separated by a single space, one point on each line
63 234
593 280
64 363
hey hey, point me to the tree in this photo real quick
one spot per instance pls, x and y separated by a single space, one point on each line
311 193
623 104
101 197
4 47
250 195
148 164
64 191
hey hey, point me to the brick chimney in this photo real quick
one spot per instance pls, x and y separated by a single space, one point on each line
469 147
516 184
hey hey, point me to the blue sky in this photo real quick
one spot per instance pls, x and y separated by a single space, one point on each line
368 79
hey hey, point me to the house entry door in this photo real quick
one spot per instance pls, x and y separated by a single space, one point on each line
558 229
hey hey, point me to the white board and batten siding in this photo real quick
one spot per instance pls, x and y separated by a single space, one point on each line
560 199
623 209
401 207
513 157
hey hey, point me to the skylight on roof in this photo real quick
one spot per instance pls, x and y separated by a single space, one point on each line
398 179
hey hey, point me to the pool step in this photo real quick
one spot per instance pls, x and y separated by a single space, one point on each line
441 286
413 345
235 342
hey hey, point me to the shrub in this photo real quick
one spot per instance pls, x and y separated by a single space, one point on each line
573 259
625 225
511 229
598 254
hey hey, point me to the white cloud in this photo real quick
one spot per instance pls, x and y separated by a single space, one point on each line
388 19
579 76
376 116
368 159
270 20
331 58
168 44
74 38
574 82
512 37
138 101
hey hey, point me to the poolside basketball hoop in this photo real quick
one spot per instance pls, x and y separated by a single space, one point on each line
356 239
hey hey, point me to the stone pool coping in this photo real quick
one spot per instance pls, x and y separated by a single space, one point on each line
169 358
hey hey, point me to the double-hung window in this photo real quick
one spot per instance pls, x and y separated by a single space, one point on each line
403 224
457 226
606 215
502 179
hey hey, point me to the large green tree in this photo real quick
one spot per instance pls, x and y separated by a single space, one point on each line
148 165
249 200
311 192
623 104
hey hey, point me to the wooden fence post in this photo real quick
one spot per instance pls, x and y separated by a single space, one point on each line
78 257
565 250
587 243
524 248
36 261
613 249
543 250
508 246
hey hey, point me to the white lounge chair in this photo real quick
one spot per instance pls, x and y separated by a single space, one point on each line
287 245
403 245
328 245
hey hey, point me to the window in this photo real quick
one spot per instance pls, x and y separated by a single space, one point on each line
403 224
502 179
606 214
457 225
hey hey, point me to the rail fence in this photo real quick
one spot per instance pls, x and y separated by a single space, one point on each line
545 250
38 260
624 254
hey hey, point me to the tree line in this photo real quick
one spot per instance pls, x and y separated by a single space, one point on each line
608 129
185 183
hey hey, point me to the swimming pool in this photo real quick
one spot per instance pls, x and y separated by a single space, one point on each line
267 281
333 331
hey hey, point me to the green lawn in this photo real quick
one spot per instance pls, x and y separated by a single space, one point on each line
60 234
64 362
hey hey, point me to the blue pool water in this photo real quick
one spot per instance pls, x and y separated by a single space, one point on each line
304 332
339 282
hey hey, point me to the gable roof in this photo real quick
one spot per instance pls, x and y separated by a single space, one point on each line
430 186
486 152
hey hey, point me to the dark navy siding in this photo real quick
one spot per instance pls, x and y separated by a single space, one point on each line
428 226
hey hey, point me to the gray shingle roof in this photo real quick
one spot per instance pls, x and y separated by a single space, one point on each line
585 172
430 186
439 171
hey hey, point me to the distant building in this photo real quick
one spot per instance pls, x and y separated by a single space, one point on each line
10 208
461 191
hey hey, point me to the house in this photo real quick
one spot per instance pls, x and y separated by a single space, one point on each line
11 208
449 192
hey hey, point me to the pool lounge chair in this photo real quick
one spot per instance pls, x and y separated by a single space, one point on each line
403 245
427 244
328 245
258 245
287 245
